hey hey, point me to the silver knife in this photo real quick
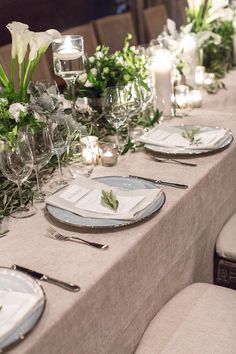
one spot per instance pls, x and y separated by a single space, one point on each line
166 183
44 277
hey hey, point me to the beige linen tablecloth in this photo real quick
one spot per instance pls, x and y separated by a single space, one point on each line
123 288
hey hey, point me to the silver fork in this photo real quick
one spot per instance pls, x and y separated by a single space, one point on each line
58 236
159 159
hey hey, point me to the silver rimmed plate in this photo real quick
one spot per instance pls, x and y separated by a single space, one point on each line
129 183
13 280
185 151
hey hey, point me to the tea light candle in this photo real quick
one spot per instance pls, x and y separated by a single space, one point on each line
67 51
89 149
108 154
195 99
188 45
200 75
182 96
160 69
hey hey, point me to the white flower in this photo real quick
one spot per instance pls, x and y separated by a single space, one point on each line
20 39
15 109
105 70
194 5
205 36
40 42
99 55
91 60
171 26
83 77
120 60
94 71
88 84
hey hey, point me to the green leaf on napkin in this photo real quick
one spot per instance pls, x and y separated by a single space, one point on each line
109 200
190 134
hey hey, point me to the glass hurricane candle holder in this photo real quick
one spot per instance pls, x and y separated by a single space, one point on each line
89 149
181 96
200 75
108 153
209 80
195 99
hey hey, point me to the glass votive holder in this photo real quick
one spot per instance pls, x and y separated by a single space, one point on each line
181 96
200 75
195 99
108 153
209 80
89 149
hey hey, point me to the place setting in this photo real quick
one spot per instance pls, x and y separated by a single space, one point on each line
186 140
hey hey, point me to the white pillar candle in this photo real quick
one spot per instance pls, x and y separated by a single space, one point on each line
160 68
188 45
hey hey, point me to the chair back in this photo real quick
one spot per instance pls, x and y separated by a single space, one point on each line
181 12
155 18
111 30
87 31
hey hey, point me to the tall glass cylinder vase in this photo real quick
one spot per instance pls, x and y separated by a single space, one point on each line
188 45
160 67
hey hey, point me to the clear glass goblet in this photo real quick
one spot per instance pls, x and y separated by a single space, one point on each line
117 108
41 146
60 137
16 161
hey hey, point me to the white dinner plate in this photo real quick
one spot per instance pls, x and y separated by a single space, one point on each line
183 151
13 280
129 183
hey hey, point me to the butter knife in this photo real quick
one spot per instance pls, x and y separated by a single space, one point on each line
165 183
44 277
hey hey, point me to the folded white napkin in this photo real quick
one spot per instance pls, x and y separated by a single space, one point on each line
171 137
83 197
16 307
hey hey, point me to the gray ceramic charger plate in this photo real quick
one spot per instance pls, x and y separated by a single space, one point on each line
129 183
14 280
188 152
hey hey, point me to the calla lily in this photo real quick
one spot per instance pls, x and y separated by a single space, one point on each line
194 5
20 39
40 42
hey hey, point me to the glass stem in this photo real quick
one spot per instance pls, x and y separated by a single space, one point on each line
37 178
117 138
59 167
20 194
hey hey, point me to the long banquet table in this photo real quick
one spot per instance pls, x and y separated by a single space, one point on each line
124 287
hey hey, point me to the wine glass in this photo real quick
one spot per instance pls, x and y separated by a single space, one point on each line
116 108
17 165
68 53
41 146
60 137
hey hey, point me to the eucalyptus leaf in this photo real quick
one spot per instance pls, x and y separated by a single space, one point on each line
109 200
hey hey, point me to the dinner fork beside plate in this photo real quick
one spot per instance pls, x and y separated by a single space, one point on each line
58 236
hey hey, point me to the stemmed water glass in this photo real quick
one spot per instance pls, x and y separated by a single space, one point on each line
68 53
117 108
60 137
41 146
16 161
